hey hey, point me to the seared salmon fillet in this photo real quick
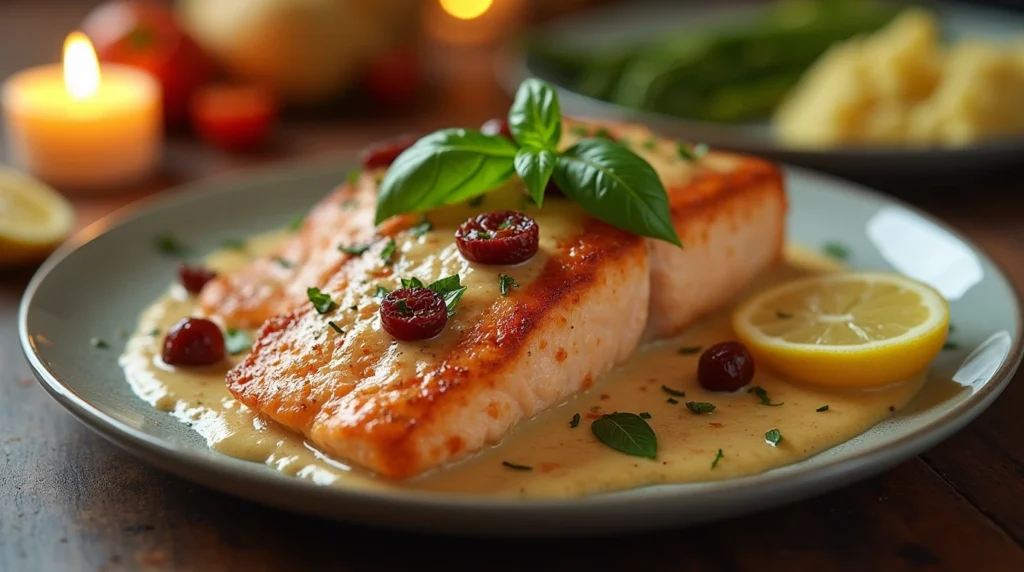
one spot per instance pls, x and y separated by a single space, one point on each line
582 306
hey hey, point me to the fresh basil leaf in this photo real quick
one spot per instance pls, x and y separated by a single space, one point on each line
773 437
700 407
626 432
534 167
237 341
355 249
321 301
445 167
451 289
617 186
535 118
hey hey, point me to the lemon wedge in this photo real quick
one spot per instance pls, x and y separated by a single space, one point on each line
856 330
33 218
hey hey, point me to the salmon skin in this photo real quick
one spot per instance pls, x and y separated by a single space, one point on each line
583 304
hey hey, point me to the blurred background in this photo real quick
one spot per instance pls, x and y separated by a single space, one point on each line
899 93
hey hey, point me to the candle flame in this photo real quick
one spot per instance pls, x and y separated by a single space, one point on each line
81 69
466 9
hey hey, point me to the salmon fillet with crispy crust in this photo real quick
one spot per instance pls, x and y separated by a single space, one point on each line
583 305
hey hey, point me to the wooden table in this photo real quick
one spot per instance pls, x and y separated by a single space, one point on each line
71 501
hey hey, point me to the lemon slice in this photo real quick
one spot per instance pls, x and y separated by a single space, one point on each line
33 218
845 330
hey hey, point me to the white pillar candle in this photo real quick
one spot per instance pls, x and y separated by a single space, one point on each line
81 127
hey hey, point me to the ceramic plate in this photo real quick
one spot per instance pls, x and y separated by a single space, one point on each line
99 282
629 21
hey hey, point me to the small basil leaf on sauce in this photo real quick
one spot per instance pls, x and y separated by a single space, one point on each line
335 327
422 228
644 415
387 254
673 392
718 457
534 167
700 407
763 396
237 341
688 350
98 343
517 467
627 433
505 282
672 400
445 167
836 251
822 409
413 282
575 421
692 152
535 117
617 186
321 301
782 315
169 245
451 289
355 249
773 437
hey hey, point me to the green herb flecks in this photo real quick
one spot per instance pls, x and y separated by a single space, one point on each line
822 409
169 245
672 400
296 223
782 315
355 249
688 350
403 307
579 130
353 176
673 392
644 415
773 437
381 292
413 282
98 343
233 244
505 282
692 152
321 301
517 467
948 346
451 289
575 421
627 433
282 262
335 327
836 251
763 396
475 201
718 457
237 341
387 254
422 228
700 407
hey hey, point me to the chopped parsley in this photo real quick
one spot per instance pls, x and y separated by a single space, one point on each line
672 401
353 307
284 263
380 292
692 152
422 228
650 144
476 201
169 245
505 224
481 235
355 249
233 244
353 176
836 251
579 130
516 467
237 341
403 307
451 289
762 395
575 421
822 409
773 437
388 253
782 315
950 346
673 392
98 343
505 282
644 415
154 332
335 327
296 223
718 457
602 132
321 300
688 350
700 407
413 282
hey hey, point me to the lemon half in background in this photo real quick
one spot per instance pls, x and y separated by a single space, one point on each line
855 330
34 218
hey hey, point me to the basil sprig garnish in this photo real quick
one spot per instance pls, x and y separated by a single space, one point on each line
455 165
626 432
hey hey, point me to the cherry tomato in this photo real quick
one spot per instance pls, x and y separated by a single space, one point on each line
234 117
193 341
146 35
413 313
394 78
726 366
498 237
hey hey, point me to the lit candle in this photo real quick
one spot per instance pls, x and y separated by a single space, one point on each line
81 127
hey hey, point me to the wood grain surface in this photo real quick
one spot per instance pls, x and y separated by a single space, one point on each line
71 501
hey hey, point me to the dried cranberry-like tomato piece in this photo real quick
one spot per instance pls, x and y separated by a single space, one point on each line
413 313
498 237
727 366
496 126
193 278
384 153
193 341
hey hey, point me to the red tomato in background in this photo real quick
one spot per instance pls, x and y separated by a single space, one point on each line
234 117
146 35
394 78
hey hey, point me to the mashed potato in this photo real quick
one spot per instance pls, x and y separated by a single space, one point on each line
900 86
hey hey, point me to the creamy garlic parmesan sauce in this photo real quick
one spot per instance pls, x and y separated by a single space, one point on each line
565 461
